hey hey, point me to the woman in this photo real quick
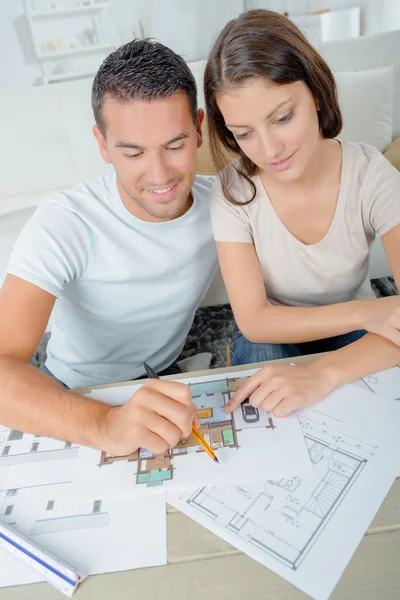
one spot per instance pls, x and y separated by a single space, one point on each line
294 216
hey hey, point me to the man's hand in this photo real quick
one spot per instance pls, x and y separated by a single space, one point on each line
281 389
382 316
155 417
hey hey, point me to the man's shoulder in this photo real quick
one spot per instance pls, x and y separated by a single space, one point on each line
203 184
79 198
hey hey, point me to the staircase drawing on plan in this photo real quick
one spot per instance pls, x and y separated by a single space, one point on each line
284 517
219 429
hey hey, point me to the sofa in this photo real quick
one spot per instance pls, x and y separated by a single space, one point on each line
47 143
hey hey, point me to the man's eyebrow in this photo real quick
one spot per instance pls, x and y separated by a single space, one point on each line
268 116
181 136
123 144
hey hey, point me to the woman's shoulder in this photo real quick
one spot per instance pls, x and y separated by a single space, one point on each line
367 169
374 184
363 156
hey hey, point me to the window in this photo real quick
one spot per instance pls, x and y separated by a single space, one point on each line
15 435
96 506
6 450
9 510
50 505
35 446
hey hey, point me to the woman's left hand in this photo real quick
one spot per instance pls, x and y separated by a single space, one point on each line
281 389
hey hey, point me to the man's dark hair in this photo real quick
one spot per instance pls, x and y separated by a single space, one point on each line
141 70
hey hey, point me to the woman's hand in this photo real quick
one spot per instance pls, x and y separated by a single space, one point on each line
382 316
281 389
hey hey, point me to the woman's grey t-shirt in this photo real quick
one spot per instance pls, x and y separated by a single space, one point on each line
335 269
126 289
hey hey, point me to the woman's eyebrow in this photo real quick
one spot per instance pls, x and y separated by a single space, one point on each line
268 116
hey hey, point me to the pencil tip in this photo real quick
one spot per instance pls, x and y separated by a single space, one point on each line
216 459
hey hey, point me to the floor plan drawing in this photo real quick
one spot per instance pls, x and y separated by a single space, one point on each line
248 443
219 428
300 524
285 519
89 534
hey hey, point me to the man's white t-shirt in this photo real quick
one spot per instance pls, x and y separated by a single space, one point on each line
126 289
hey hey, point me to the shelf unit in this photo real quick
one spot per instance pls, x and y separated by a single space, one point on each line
60 12
82 50
67 76
63 29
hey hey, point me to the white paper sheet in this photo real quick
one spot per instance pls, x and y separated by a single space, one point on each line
97 536
248 444
306 529
385 383
29 460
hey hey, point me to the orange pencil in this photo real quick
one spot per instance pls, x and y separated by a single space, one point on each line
204 444
195 432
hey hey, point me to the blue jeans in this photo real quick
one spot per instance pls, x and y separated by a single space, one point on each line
46 371
245 352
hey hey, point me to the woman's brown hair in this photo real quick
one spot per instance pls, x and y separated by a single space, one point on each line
262 43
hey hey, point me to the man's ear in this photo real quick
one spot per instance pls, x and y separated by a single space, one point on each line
199 127
102 144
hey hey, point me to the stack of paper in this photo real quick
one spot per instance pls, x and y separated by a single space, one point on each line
284 489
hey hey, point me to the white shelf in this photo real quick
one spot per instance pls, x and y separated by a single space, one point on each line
62 31
59 77
81 50
60 12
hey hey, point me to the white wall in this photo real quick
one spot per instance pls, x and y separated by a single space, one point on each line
19 67
187 26
380 16
376 15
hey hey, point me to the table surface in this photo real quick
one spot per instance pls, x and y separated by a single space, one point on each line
202 566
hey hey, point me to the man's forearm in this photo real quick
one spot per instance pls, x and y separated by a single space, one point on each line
33 403
367 355
291 325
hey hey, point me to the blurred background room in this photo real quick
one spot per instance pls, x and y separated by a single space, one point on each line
50 50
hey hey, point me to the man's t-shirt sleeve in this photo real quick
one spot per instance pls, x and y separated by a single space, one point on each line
54 248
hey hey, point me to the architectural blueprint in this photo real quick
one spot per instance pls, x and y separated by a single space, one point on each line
307 528
249 443
96 536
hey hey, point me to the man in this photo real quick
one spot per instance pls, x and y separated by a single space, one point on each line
124 260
